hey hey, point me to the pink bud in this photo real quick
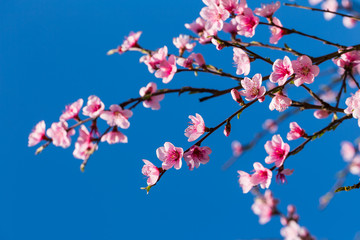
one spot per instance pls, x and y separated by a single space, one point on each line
227 129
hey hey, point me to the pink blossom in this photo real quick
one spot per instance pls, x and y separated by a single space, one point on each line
295 132
207 35
355 165
276 32
151 171
197 155
199 59
265 207
227 129
214 16
153 101
349 22
94 107
242 61
218 44
236 96
183 43
270 125
252 88
277 150
129 42
72 110
245 181
37 134
247 23
83 146
280 102
237 148
59 134
261 176
232 6
231 27
282 70
267 10
115 136
293 231
155 59
304 71
353 106
170 156
347 151
117 116
330 5
315 2
329 96
280 176
196 128
348 60
197 27
167 69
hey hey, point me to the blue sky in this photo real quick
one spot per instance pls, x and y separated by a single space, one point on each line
54 52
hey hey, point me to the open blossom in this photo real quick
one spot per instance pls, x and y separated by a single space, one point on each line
231 27
347 151
197 155
252 88
170 156
277 150
348 60
330 5
276 32
60 135
155 59
153 101
72 110
167 69
151 171
84 146
354 167
261 176
242 61
293 231
295 132
37 134
280 176
114 136
304 71
282 70
214 16
280 102
183 43
197 27
233 6
270 125
129 42
353 106
237 148
247 23
265 207
196 127
94 107
117 116
267 10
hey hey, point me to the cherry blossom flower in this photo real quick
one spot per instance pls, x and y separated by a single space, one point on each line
280 102
276 32
129 42
261 176
277 150
304 71
197 27
197 155
151 171
117 116
295 132
245 181
196 127
282 70
354 167
247 23
153 101
231 27
265 207
267 10
114 136
214 16
183 43
232 6
347 151
72 110
37 134
280 176
353 106
349 22
170 156
293 231
155 59
242 61
320 114
270 125
94 107
83 146
60 135
252 88
330 5
167 69
348 60
237 148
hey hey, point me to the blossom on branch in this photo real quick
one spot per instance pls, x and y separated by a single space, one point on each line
129 42
37 134
60 134
170 156
282 70
83 146
280 102
304 71
252 88
247 23
262 176
295 132
72 111
353 106
265 206
196 127
94 107
151 171
117 116
267 10
242 61
153 101
197 155
114 136
277 150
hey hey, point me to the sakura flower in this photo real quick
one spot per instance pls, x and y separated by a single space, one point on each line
231 27
197 27
72 110
232 6
37 134
320 114
348 60
280 102
242 61
304 71
153 101
170 156
167 69
84 146
354 167
277 150
295 132
330 5
214 16
245 181
270 125
94 107
349 22
196 127
252 88
237 148
282 70
151 171
280 176
155 59
247 23
265 207
267 10
197 155
60 135
183 43
117 116
262 176
347 151
293 231
353 106
114 136
129 42
276 32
